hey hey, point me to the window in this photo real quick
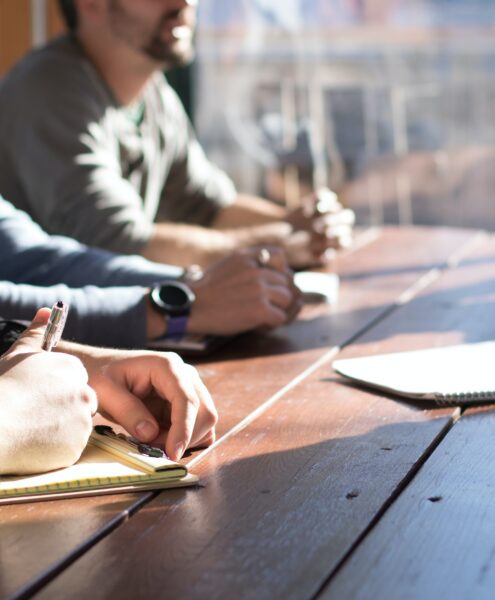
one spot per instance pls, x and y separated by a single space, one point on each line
390 102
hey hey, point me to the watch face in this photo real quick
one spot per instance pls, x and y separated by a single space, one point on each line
173 298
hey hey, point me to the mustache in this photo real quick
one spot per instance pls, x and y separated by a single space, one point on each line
173 14
181 16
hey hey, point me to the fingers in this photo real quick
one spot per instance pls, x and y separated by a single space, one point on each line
328 222
285 304
128 388
269 257
193 415
41 317
91 399
296 305
185 406
204 429
30 340
253 288
327 202
331 231
334 230
207 441
275 317
281 299
344 218
130 412
276 275
334 238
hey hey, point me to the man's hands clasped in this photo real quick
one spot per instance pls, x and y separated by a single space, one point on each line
239 293
321 225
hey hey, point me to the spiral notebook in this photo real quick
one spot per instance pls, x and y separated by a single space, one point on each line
462 374
107 466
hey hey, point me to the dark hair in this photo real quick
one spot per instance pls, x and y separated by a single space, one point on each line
69 13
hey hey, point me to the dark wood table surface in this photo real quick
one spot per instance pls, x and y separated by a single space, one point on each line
314 488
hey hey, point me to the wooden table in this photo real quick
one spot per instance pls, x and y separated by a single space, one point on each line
314 489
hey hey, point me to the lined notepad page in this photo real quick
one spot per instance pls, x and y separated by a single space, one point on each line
95 469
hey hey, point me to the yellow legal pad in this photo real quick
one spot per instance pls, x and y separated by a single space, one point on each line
100 470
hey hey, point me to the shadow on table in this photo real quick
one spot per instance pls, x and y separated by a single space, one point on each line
273 521
411 402
467 310
278 514
420 268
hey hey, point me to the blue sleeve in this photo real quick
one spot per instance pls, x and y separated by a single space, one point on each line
99 316
104 291
29 255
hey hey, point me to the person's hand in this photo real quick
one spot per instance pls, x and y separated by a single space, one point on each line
320 225
240 293
45 405
155 396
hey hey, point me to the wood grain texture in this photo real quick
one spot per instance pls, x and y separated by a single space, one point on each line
455 309
241 379
254 367
37 537
437 540
287 497
283 503
446 516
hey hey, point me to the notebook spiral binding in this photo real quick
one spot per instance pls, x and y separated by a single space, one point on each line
446 399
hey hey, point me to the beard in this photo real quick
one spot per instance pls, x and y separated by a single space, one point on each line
173 53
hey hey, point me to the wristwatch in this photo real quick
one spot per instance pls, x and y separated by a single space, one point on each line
174 300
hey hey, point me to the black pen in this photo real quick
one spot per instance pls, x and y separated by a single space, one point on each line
55 326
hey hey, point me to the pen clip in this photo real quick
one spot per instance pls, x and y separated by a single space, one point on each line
144 449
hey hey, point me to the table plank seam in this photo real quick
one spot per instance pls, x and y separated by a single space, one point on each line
51 572
394 496
422 283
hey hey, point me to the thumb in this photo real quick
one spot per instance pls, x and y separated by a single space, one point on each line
30 340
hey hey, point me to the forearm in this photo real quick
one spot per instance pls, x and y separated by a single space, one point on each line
108 316
247 211
184 245
31 256
188 244
105 269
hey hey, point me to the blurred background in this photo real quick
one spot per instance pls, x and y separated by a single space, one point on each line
389 102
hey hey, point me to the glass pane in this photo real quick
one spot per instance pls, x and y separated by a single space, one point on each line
389 102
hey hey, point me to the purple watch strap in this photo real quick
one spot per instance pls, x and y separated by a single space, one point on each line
176 326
